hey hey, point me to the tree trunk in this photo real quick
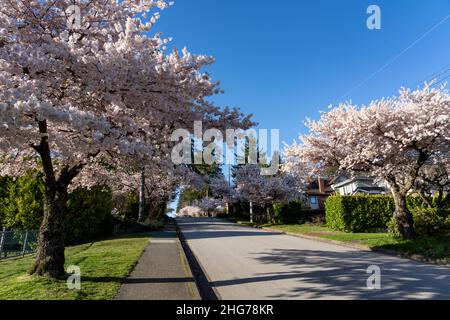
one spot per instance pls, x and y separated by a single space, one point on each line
403 216
270 216
50 254
141 217
251 212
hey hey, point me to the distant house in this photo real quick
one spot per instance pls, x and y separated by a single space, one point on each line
317 192
347 185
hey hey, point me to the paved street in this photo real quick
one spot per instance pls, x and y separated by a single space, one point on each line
246 263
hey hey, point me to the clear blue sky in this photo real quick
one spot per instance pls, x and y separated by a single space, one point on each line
286 60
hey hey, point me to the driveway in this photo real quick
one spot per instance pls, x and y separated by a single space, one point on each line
247 263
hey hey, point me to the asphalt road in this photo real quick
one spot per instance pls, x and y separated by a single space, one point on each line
247 263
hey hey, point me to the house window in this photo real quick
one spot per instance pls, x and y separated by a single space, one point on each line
313 200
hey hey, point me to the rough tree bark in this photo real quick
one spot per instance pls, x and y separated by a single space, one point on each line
404 217
405 221
270 214
50 252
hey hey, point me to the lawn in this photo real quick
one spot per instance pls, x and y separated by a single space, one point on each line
430 247
103 265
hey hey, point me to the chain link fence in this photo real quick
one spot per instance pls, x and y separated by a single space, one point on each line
15 243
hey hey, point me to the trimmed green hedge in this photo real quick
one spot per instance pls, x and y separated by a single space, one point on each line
358 213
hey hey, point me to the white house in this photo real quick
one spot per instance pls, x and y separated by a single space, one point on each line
347 185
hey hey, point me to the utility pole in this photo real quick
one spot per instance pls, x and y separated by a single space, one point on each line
141 217
142 197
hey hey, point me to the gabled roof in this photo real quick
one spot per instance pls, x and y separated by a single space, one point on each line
355 179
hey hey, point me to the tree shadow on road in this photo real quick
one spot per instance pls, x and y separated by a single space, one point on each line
343 275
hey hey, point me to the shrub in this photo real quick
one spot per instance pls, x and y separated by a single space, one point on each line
358 213
314 216
447 222
428 222
290 213
415 202
23 202
127 206
293 213
88 214
392 228
4 185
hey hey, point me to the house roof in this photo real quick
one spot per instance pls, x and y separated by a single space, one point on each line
318 193
312 188
354 179
369 189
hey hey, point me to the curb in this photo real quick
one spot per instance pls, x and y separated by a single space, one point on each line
413 257
193 288
203 283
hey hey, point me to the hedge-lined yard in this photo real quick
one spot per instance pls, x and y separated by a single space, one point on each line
363 213
358 213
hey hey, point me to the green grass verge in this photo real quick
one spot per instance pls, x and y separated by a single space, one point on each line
437 247
103 264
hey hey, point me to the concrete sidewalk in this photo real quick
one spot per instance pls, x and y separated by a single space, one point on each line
162 273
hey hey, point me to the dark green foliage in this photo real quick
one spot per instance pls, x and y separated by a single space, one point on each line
358 213
240 210
23 202
290 213
314 216
295 213
127 206
88 214
415 201
429 221
4 184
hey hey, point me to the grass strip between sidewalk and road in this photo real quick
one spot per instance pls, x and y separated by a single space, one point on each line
104 265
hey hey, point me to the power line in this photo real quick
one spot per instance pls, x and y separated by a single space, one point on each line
395 58
434 76
441 81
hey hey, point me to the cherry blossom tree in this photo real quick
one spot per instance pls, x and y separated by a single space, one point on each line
264 190
157 188
392 139
190 211
79 99
433 183
208 205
